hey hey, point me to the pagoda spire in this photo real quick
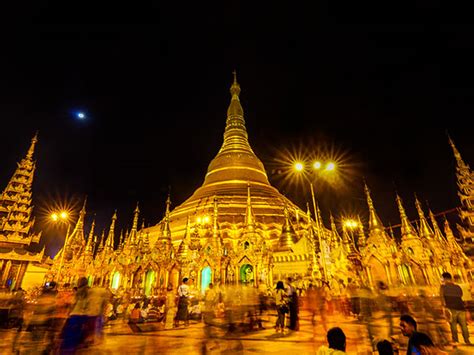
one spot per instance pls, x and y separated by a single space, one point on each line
436 231
336 238
235 134
459 161
451 240
90 246
407 229
288 235
465 182
16 220
361 240
375 224
424 228
184 246
249 217
109 245
133 233
76 240
31 151
165 238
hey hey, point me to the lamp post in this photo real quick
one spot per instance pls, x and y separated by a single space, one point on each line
61 217
316 167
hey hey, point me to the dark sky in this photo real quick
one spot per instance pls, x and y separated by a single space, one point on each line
380 85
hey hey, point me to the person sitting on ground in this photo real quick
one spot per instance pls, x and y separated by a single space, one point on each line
336 341
135 314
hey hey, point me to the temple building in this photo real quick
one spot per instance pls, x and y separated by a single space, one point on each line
465 183
16 224
238 229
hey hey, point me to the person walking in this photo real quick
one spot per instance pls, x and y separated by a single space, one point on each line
451 299
183 302
292 304
281 306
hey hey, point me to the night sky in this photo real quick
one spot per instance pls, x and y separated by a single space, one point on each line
378 86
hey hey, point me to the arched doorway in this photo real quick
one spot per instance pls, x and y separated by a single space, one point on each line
206 277
246 274
150 278
116 280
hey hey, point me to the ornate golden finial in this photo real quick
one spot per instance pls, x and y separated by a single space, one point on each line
235 88
34 140
375 224
336 238
89 246
407 229
249 220
288 235
424 229
437 232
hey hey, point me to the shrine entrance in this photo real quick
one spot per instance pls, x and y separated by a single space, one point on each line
246 274
206 277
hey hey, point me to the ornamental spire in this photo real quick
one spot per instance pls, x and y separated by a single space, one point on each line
336 238
133 233
288 235
437 232
90 246
425 230
249 218
407 229
375 224
29 155
457 155
165 238
235 134
361 241
109 245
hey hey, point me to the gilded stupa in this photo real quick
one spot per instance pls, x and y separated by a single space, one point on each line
238 229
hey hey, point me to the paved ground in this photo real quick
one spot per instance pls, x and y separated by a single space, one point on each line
120 339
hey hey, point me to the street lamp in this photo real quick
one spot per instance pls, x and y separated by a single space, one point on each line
61 217
316 167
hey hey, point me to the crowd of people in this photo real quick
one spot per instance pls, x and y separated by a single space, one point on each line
64 319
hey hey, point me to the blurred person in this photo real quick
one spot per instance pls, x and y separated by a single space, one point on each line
292 304
75 330
451 299
135 314
408 327
97 299
466 296
281 306
42 324
336 343
312 301
154 313
423 345
384 347
210 302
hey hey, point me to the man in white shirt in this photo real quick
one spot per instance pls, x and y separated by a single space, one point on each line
183 313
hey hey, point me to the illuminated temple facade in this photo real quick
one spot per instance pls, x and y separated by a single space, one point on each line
16 224
237 228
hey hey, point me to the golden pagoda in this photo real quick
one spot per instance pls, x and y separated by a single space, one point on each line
16 223
465 184
238 229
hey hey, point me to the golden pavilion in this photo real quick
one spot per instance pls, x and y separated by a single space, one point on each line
238 229
16 224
